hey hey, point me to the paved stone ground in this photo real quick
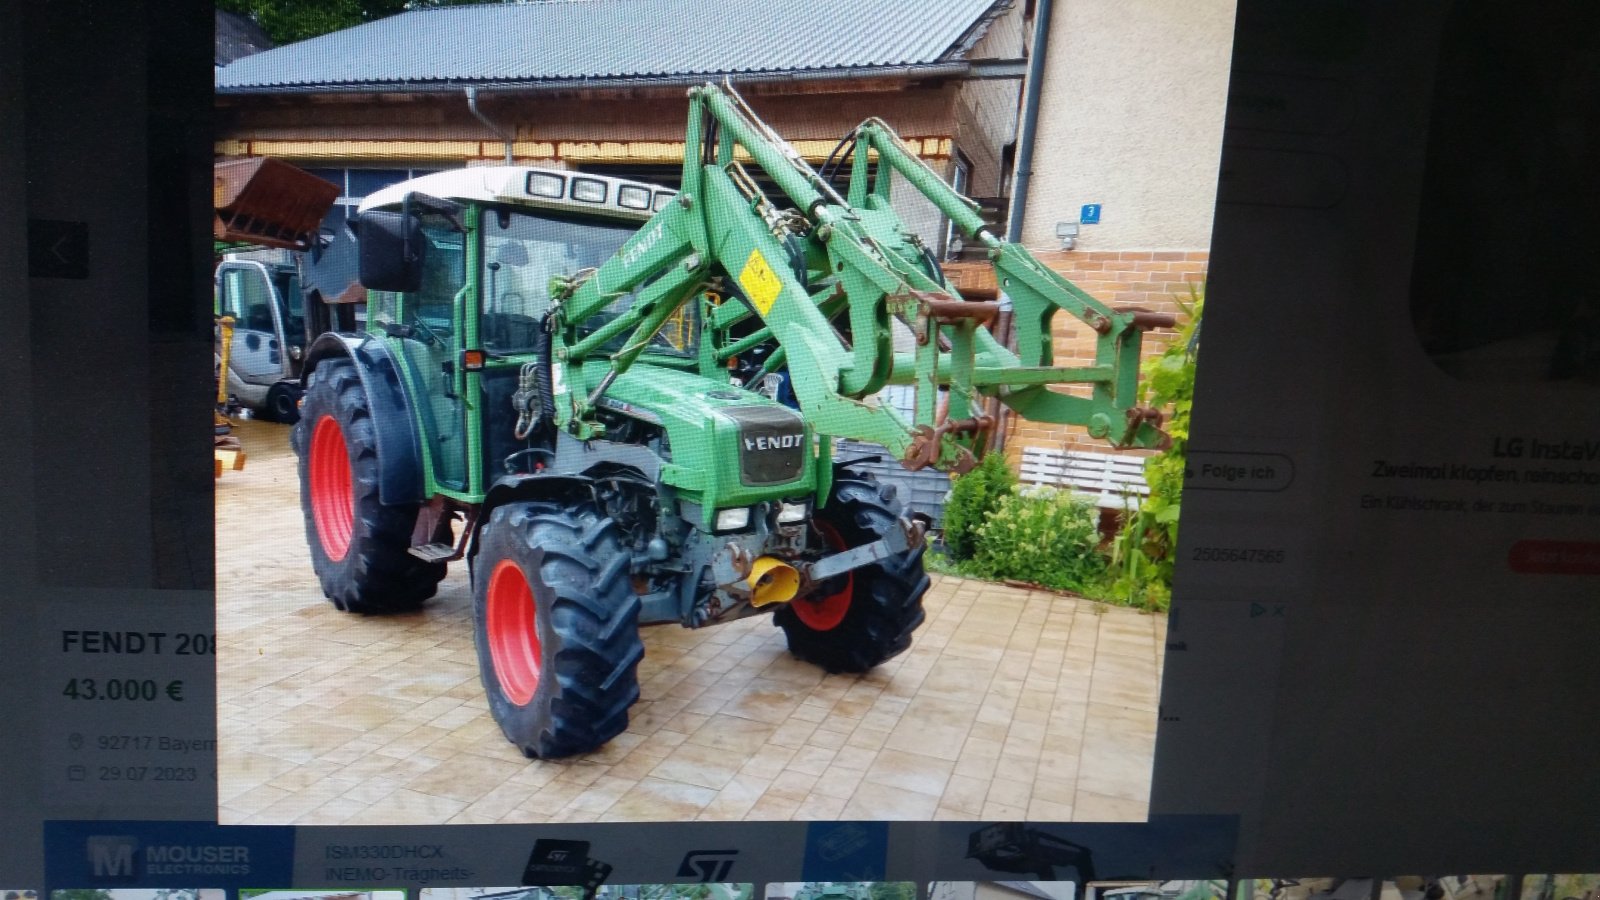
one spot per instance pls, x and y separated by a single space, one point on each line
1011 704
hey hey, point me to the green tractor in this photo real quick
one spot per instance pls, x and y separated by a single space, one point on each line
618 404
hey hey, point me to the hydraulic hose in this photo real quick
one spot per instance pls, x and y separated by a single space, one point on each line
541 374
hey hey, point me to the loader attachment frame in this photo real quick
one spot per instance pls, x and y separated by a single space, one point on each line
825 274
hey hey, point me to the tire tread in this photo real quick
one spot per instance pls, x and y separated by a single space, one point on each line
887 609
377 575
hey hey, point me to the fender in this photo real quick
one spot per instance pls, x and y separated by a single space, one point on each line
399 446
561 488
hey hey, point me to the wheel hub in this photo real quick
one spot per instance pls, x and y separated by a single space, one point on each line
824 611
512 632
332 496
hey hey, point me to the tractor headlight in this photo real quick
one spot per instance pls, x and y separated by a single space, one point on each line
589 190
541 184
733 519
790 513
633 197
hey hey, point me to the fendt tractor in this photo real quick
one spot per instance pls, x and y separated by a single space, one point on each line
618 403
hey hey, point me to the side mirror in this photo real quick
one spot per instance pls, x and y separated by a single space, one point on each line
325 239
392 247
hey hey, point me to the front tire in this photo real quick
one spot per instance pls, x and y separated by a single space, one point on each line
557 627
358 545
866 616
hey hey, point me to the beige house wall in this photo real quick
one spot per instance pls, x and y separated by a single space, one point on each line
1131 118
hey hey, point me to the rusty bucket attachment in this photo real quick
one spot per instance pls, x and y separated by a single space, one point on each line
268 202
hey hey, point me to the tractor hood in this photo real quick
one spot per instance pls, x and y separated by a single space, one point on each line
732 445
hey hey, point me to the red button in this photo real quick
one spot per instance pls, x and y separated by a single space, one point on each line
1555 557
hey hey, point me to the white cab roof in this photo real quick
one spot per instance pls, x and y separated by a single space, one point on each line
558 189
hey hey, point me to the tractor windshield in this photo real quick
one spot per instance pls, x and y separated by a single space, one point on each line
522 252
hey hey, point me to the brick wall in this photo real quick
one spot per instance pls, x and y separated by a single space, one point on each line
1148 279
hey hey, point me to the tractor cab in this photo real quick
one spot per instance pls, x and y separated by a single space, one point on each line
462 270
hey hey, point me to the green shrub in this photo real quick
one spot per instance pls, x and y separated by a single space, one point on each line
1044 536
1144 551
973 498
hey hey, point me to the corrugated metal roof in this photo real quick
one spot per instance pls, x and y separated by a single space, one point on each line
618 40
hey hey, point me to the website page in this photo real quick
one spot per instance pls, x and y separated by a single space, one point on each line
801 450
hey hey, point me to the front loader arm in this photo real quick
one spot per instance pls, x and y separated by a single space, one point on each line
1035 293
663 266
825 277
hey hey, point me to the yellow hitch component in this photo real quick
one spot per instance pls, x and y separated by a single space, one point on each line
772 581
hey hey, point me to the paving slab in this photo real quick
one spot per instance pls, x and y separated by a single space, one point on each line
1010 704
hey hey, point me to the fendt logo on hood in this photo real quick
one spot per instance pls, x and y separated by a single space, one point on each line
774 442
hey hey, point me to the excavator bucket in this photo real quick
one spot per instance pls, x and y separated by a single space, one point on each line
269 203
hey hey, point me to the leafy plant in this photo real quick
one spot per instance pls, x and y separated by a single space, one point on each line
973 497
1143 552
1044 536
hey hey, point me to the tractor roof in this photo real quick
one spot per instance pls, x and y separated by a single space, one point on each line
533 187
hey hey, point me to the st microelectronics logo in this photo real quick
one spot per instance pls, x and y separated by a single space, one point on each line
121 858
114 858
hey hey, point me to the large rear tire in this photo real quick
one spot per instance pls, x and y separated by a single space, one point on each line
358 545
865 617
557 627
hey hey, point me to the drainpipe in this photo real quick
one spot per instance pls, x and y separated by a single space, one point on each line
1030 121
1019 186
505 136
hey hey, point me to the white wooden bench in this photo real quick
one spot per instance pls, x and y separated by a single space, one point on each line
1112 482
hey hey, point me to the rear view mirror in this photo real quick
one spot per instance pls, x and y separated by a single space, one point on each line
325 238
392 249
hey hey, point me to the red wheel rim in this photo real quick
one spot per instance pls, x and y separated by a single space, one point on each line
826 613
513 637
333 504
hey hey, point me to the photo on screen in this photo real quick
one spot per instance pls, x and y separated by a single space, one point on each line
1301 888
1446 887
1413 887
1002 890
1560 887
1499 291
841 890
819 478
1156 890
713 891
138 894
338 894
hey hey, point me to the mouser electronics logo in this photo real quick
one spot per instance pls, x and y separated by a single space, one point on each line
774 442
112 858
123 858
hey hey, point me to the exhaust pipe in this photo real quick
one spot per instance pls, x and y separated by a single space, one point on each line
771 580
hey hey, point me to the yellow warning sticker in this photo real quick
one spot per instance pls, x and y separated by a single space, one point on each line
760 283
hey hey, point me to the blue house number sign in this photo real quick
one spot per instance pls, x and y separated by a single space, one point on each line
1090 214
